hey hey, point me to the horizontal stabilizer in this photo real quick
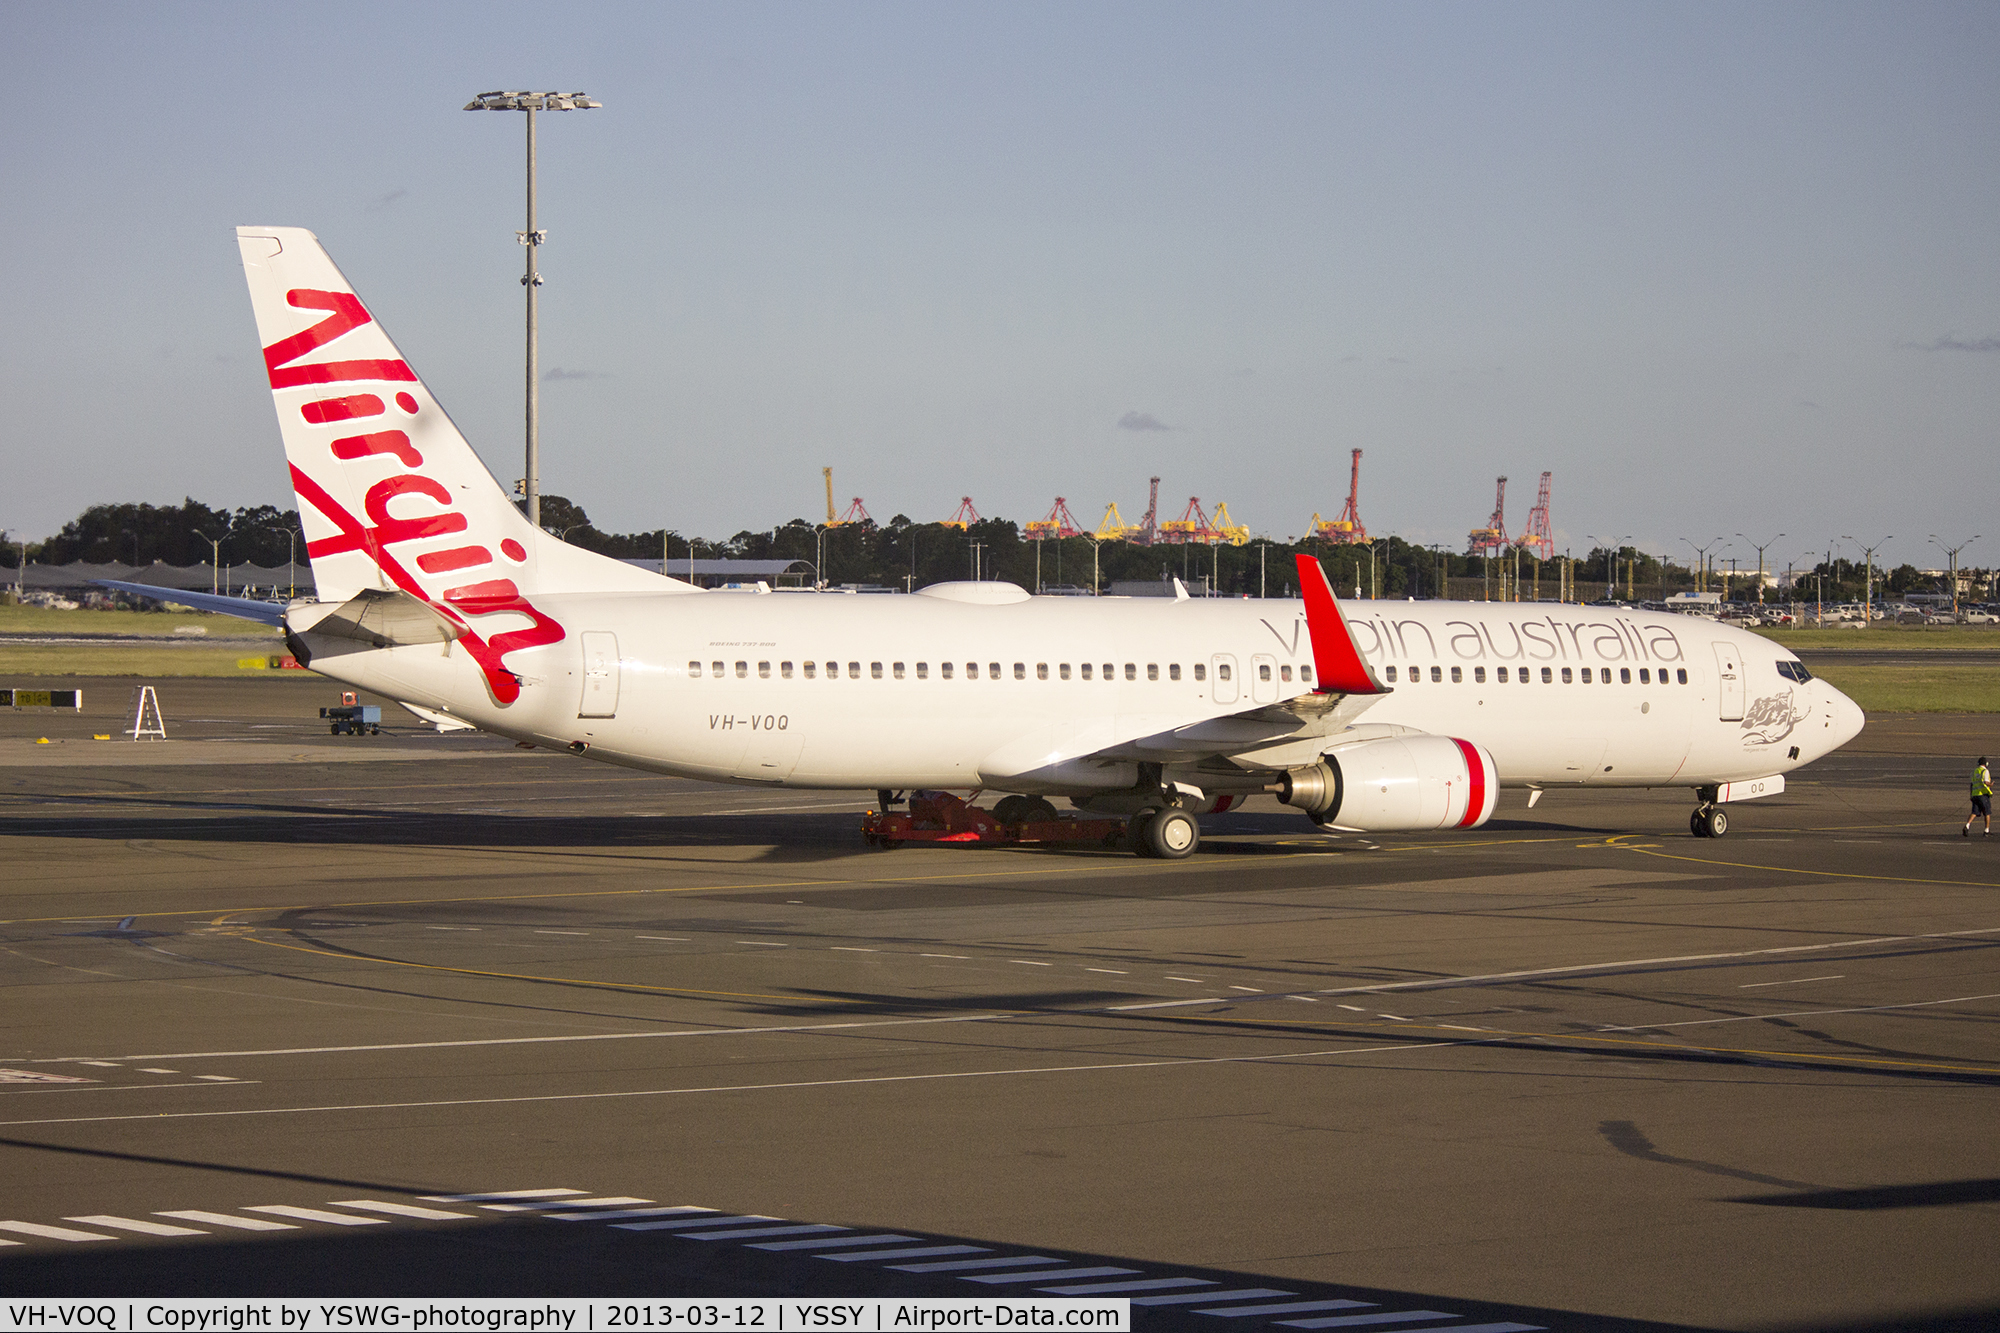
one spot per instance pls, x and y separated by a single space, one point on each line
264 613
379 618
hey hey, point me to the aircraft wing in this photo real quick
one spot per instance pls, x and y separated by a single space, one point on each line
264 613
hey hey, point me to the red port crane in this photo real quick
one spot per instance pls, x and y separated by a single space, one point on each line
1346 530
1060 523
963 516
1537 540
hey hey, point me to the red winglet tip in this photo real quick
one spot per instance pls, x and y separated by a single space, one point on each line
1338 665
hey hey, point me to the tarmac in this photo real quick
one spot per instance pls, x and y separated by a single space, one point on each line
290 1013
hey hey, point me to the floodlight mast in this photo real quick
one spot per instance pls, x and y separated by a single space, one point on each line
531 279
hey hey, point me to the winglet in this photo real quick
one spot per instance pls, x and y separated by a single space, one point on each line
1338 667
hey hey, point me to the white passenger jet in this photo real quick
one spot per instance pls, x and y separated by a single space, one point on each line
434 590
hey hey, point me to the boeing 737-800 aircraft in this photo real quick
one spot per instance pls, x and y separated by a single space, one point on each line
434 590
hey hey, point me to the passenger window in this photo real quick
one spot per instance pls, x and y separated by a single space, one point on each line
854 670
1110 670
993 670
1681 674
1390 673
763 671
1174 671
875 670
785 670
1131 671
1305 673
1152 671
1020 671
1063 671
1437 676
923 671
1645 676
1284 673
1479 675
1086 670
742 670
1500 674
1222 671
694 670
1201 671
896 669
1263 671
1624 675
833 670
1547 676
1586 675
1458 675
972 671
716 669
944 670
809 669
1566 675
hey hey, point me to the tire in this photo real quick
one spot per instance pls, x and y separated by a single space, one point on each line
1008 809
1716 821
1135 832
1697 825
1035 810
1172 835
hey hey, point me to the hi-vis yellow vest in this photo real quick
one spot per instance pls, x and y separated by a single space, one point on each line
1982 781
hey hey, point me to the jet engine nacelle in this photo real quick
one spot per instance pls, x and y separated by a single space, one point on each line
1397 784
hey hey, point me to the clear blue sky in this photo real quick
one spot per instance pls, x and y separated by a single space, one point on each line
1720 267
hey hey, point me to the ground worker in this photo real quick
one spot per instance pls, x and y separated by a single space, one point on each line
1982 799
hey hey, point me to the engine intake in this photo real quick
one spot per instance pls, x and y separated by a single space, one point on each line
1397 784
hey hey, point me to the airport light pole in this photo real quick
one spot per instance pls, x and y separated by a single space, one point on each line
1610 566
1953 551
1761 547
214 578
1868 579
531 485
1701 553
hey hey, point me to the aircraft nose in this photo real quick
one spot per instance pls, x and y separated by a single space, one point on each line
1847 719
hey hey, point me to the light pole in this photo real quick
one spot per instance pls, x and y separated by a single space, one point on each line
1701 554
1868 579
1611 564
531 485
214 575
291 558
1761 547
1953 551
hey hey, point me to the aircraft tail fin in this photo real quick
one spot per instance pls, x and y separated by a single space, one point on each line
390 494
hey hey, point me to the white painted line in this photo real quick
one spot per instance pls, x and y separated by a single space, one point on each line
1114 971
960 956
1252 989
1795 981
677 1223
16 1242
560 1203
503 1194
395 1209
761 944
923 1252
216 1078
677 939
159 1071
1196 980
740 1233
451 927
1355 1007
1304 999
1113 1288
1052 1274
562 932
1364 1320
225 1220
1111 1067
965 1265
103 1064
316 1215
829 1242
1801 1013
1028 962
1195 1297
1285 1307
850 948
134 1224
699 1214
1397 1017
51 1233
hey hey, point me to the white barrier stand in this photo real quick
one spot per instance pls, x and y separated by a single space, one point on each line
146 714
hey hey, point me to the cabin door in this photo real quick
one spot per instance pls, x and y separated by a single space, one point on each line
1223 689
600 675
1729 682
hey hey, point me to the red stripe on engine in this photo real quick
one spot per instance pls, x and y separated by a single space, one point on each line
1475 772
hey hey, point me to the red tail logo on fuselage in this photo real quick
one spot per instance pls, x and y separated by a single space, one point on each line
383 529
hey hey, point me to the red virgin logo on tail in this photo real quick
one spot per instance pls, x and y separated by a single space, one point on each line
382 529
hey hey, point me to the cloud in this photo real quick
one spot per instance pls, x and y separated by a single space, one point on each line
1951 342
554 373
383 201
1141 421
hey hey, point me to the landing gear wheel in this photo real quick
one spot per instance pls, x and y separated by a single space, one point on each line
1008 809
1135 832
1035 810
1172 835
1711 821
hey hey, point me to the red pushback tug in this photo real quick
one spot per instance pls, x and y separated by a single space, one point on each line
938 816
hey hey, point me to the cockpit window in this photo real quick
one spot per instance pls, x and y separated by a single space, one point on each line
1794 671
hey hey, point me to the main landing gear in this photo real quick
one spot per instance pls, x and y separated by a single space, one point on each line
1169 834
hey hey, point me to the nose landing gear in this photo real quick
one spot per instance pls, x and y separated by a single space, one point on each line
1708 821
